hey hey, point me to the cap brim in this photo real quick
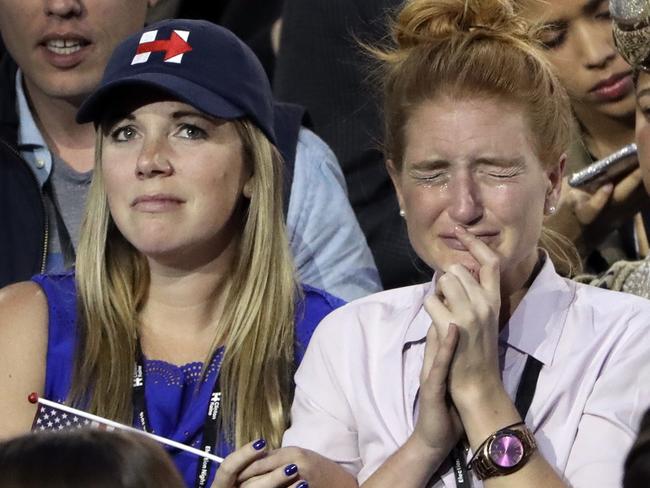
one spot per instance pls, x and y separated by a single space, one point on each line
93 108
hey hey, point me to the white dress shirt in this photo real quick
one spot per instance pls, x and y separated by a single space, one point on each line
357 386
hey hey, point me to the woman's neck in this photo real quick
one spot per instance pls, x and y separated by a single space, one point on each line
181 316
515 285
604 134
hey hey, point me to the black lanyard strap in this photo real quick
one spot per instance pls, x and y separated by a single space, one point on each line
527 386
210 426
459 464
210 429
523 400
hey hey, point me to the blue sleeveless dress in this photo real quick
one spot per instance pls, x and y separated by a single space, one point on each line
176 397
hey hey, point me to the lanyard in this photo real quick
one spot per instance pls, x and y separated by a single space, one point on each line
210 426
523 399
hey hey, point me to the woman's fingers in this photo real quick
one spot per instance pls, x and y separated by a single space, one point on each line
442 362
300 484
483 303
434 384
280 477
486 258
625 188
465 298
277 458
588 206
430 351
452 292
439 313
236 462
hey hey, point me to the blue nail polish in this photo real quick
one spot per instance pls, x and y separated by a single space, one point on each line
291 469
303 484
259 445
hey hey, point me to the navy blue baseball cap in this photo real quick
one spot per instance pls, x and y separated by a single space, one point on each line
196 62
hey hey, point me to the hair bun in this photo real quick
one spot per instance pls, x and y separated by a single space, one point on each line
430 20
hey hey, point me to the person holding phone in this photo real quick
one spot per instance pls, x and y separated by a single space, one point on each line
600 219
500 372
633 43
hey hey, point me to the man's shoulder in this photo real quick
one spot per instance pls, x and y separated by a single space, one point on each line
13 165
8 114
22 218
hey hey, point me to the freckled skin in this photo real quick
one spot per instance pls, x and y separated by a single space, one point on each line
460 168
194 159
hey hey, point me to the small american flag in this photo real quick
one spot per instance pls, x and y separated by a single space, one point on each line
53 418
56 416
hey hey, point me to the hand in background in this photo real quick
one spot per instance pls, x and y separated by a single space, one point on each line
588 217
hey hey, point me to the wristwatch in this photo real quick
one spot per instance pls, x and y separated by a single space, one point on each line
504 452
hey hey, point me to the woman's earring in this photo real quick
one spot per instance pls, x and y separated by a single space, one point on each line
551 209
402 213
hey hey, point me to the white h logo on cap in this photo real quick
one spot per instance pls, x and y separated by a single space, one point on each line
174 47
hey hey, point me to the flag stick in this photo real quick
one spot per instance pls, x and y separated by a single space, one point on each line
34 398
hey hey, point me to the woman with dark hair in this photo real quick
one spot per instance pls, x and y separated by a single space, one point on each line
633 42
89 458
498 373
602 219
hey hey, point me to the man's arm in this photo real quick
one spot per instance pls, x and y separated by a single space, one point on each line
329 249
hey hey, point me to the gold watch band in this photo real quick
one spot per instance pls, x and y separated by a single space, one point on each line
483 465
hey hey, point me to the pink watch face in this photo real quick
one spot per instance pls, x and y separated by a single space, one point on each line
506 451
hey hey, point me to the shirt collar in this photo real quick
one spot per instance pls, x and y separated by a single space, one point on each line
28 132
536 324
419 326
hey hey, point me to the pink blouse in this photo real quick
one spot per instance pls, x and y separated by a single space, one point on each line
355 398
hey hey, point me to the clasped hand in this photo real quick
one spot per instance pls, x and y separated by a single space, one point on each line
461 354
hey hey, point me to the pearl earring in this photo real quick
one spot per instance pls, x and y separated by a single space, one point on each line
402 213
551 209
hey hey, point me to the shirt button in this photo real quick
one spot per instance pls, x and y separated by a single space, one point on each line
40 164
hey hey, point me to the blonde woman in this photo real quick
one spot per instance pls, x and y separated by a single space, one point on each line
500 373
183 316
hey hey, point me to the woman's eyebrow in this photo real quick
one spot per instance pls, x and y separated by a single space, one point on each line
192 113
642 93
432 163
555 25
504 162
591 6
113 119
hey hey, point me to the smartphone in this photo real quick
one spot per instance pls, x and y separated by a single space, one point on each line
610 168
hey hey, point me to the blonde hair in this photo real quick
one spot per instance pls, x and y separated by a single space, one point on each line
468 49
257 322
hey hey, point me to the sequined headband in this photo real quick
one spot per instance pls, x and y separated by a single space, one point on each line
631 30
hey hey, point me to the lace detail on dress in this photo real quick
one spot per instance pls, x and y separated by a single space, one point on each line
169 374
627 276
